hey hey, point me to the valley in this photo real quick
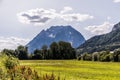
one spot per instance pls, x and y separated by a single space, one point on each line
59 40
76 70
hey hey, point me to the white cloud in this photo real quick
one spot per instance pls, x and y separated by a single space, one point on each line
42 16
36 16
76 17
12 42
100 29
116 1
66 9
108 18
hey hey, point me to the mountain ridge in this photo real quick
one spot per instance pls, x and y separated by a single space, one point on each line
56 34
109 41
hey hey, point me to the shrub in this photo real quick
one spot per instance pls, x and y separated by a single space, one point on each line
26 73
79 57
2 74
13 71
104 56
95 56
11 62
116 55
87 57
119 58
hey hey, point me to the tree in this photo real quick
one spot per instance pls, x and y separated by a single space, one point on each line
87 57
95 56
22 52
37 54
104 56
44 51
62 50
54 49
9 52
65 50
116 55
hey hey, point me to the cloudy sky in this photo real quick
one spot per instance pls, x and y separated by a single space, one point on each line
22 20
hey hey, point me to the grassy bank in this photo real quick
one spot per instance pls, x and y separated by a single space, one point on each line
76 70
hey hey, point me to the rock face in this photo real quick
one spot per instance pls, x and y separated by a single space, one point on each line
56 34
116 27
109 41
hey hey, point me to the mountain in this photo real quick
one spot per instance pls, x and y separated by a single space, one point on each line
109 41
56 34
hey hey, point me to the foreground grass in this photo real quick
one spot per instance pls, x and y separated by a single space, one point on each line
76 70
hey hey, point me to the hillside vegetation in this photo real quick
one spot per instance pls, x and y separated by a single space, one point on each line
109 41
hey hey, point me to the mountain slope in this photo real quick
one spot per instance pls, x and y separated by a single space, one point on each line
109 41
56 33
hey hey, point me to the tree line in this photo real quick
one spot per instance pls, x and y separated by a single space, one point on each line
56 50
103 56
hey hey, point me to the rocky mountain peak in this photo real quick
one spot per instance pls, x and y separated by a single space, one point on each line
56 34
116 27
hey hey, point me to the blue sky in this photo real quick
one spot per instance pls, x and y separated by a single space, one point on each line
21 20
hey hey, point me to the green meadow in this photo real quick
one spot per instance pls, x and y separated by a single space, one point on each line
76 70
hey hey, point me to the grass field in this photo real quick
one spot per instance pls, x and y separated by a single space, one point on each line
76 70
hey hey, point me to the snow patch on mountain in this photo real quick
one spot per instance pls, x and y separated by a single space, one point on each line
56 34
52 35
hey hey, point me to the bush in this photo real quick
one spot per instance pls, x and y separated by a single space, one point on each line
87 57
11 70
2 74
105 56
95 56
11 62
79 57
116 55
23 73
26 73
119 58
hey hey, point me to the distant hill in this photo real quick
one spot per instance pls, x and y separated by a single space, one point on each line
56 34
109 41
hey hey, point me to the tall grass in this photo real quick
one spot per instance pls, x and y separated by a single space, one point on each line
76 70
11 70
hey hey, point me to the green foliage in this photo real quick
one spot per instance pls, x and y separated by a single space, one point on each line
60 50
10 62
9 52
79 57
54 50
116 55
22 52
26 73
23 73
2 74
95 56
109 41
11 70
87 57
37 54
7 63
104 56
44 51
